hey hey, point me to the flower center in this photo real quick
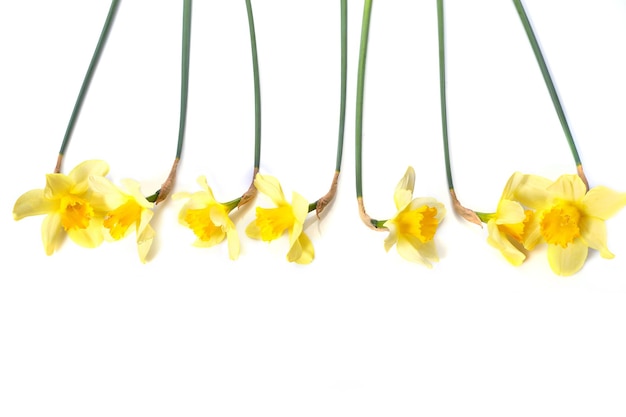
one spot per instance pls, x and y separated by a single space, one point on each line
559 224
75 212
421 223
516 231
199 220
119 220
274 221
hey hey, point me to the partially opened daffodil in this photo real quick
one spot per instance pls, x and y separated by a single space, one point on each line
67 201
512 227
571 220
129 211
209 219
413 228
272 223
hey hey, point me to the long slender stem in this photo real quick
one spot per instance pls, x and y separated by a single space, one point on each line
344 76
464 212
251 192
365 28
325 200
549 83
167 186
257 89
358 145
87 80
184 79
442 91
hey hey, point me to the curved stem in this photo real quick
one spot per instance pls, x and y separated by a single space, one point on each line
184 79
360 83
442 91
87 80
550 84
325 200
251 192
344 76
464 212
358 145
257 88
167 186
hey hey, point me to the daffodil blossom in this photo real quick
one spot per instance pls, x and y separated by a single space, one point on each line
208 219
413 228
127 208
571 220
512 228
69 206
271 223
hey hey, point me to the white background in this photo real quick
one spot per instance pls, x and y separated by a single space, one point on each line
359 331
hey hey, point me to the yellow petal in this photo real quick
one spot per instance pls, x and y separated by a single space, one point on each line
33 203
106 195
408 180
205 187
81 173
253 231
532 191
57 185
501 242
233 244
144 242
410 252
392 237
300 209
603 203
219 217
567 261
144 222
90 237
270 186
532 232
52 233
593 232
213 239
133 189
306 252
568 187
402 198
295 251
404 189
512 184
509 212
428 251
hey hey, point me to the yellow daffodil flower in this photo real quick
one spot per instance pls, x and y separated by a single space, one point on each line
414 226
128 208
67 201
271 223
512 229
571 220
209 219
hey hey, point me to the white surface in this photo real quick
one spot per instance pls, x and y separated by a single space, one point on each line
360 331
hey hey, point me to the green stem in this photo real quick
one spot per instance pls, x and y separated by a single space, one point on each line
344 76
358 145
323 202
365 28
548 79
184 79
89 75
442 91
257 89
232 204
